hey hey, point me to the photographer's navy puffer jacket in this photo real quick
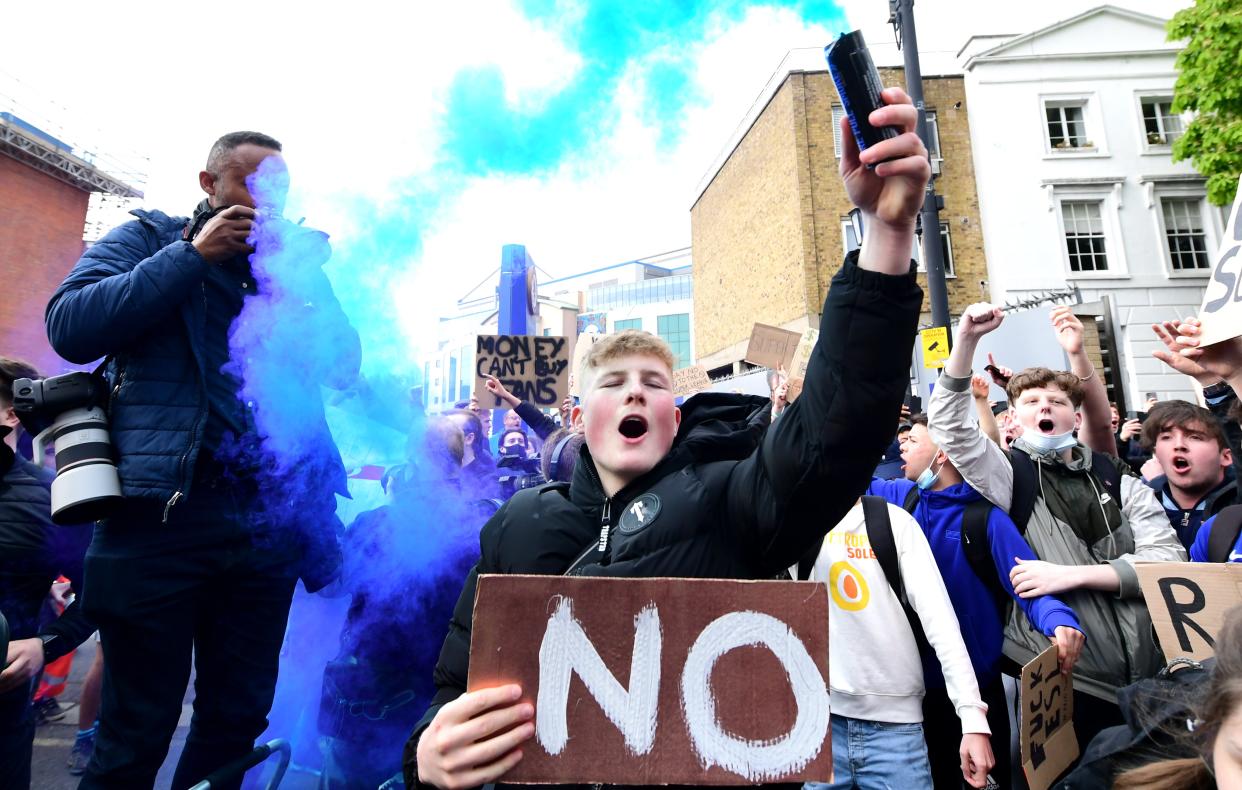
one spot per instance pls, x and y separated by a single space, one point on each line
138 296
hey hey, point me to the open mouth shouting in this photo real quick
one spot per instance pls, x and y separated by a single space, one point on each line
633 428
1180 464
1045 425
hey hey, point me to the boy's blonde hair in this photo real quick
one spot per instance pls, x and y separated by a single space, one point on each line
626 343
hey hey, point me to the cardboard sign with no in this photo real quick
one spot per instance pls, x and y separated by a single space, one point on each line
660 681
535 369
1188 602
687 381
1222 302
771 346
1049 744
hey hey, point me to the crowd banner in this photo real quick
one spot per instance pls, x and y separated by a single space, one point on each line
1221 313
1048 743
771 346
660 681
1188 602
687 381
535 369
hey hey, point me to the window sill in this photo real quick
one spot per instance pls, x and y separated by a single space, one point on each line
1072 275
1157 150
1195 274
1076 153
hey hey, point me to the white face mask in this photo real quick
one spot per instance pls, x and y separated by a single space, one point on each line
1049 444
928 478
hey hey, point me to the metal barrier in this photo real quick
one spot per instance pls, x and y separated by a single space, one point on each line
240 766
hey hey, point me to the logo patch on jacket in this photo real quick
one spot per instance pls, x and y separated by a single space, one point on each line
639 514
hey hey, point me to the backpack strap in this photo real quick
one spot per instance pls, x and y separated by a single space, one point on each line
880 535
978 549
1225 531
1023 503
912 500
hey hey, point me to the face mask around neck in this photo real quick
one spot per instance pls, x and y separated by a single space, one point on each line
1049 444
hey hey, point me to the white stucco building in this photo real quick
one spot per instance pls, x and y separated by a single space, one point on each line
1071 129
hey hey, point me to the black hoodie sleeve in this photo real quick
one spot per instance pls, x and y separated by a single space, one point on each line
539 422
817 459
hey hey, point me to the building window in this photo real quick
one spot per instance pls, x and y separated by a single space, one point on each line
675 330
628 323
1084 235
946 251
838 112
1067 129
849 237
1161 126
1184 233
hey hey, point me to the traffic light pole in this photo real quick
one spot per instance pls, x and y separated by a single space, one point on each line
933 254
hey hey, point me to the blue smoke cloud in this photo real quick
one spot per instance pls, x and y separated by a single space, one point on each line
485 135
406 551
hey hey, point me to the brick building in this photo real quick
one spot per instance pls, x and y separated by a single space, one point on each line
44 195
769 225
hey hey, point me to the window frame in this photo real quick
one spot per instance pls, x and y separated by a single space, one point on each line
617 324
1092 125
1114 247
1158 95
689 353
1213 225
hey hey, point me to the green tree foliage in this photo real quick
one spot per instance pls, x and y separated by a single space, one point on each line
1209 83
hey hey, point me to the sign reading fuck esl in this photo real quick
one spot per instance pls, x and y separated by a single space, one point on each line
660 681
1221 313
535 369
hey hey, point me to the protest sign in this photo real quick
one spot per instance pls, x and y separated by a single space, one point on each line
660 681
797 366
771 346
935 346
687 381
1048 742
1221 313
535 369
1188 602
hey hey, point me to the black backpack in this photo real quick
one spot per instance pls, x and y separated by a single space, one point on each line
1025 483
975 544
1225 531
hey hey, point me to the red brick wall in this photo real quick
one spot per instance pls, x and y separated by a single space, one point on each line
41 222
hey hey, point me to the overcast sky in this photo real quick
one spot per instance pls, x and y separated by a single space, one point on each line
423 136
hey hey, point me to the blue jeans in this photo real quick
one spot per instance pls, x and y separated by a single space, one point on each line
875 755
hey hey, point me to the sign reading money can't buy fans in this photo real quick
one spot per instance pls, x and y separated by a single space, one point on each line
660 681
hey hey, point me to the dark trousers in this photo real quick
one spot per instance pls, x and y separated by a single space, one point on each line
1092 714
211 584
17 729
943 731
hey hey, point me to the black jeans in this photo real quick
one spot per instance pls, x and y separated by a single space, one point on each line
212 584
17 729
943 731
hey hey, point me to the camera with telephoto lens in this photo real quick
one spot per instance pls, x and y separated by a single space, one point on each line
517 473
69 412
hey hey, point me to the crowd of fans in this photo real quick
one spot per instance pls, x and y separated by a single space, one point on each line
994 529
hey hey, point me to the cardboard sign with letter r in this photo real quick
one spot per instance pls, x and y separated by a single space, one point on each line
1048 742
1188 602
660 681
1222 302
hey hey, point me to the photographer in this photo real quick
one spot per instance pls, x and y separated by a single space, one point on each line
33 552
202 559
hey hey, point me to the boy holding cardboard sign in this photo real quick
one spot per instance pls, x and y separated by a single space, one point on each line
653 495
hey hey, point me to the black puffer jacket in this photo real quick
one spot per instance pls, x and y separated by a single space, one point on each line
33 552
728 507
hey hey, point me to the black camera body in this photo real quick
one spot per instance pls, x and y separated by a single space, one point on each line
69 412
518 473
